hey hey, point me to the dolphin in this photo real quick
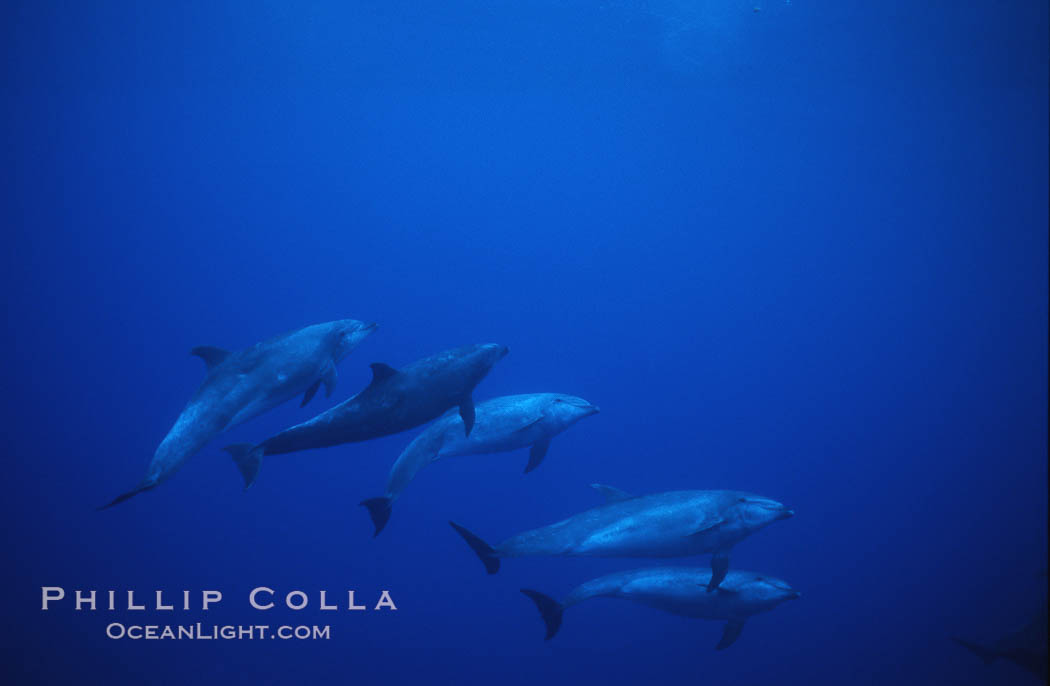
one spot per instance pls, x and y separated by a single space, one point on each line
1026 647
244 384
396 400
670 524
678 590
500 424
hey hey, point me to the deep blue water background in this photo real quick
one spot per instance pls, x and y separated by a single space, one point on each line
800 252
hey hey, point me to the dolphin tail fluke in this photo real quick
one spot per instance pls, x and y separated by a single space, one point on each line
126 496
986 654
379 510
485 552
248 458
550 609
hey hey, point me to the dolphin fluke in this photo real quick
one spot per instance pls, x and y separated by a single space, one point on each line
126 496
550 609
248 458
379 510
986 654
485 552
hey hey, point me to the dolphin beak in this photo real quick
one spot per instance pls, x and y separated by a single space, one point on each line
795 595
787 514
371 327
595 409
503 353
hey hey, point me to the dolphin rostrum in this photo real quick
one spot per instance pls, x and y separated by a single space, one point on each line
678 590
500 424
396 400
670 524
243 384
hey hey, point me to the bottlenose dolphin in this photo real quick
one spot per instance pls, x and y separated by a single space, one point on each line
500 425
678 590
1026 647
396 400
671 524
243 384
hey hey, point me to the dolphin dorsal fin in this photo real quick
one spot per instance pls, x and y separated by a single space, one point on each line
211 355
381 372
611 494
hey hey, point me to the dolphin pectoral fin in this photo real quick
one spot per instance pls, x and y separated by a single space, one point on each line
310 392
706 525
330 377
611 494
731 633
550 609
719 569
211 355
126 496
485 552
379 510
466 412
529 425
537 452
248 458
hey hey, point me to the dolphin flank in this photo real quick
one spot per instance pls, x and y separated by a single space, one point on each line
244 384
670 524
396 400
500 424
678 590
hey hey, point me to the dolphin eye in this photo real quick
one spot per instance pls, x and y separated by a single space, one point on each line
558 400
758 578
743 500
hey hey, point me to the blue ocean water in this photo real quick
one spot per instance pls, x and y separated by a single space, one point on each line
793 248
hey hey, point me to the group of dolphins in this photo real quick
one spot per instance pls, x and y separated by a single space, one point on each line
243 384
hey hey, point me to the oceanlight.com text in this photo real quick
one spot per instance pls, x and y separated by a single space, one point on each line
202 632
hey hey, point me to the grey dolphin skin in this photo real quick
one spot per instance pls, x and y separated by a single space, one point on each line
243 384
678 590
396 400
1026 647
500 424
671 524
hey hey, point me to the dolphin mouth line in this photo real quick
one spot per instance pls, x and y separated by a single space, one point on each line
792 593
